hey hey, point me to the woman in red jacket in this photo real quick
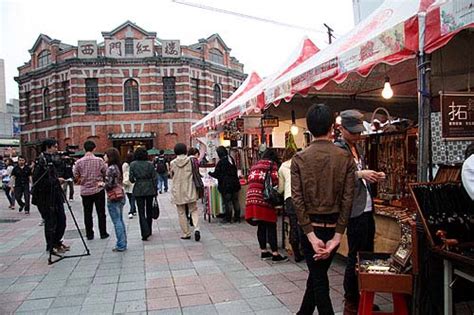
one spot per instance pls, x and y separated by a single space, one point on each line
259 212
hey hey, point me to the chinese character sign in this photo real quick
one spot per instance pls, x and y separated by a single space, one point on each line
171 48
87 49
457 113
143 48
115 48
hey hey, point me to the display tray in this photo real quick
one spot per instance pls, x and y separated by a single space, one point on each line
382 282
447 214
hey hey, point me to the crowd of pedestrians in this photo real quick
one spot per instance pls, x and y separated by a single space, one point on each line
325 187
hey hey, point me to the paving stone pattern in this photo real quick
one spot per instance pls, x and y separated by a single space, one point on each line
221 274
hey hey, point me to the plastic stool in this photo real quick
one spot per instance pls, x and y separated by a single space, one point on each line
366 303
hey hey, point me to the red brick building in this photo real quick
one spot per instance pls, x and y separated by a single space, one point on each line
132 89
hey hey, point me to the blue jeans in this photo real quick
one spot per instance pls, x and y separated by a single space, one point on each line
162 181
115 212
8 193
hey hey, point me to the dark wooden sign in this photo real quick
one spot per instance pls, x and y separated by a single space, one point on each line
457 115
270 121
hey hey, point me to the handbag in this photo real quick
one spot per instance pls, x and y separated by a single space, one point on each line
116 193
155 209
270 193
197 180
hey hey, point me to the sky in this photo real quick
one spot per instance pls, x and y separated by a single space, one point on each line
261 47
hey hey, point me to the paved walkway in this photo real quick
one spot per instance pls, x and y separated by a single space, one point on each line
221 274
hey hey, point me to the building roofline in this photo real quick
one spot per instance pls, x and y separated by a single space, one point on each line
125 24
38 41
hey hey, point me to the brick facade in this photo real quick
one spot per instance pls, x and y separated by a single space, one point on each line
62 80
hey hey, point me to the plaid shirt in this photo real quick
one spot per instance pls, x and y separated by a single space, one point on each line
90 170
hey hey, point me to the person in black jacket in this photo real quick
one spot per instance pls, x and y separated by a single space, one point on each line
48 197
228 184
21 180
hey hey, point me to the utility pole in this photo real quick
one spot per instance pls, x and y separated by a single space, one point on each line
330 30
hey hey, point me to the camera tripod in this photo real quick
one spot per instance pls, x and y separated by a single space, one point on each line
53 208
61 257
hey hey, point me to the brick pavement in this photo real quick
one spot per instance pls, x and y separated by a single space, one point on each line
222 274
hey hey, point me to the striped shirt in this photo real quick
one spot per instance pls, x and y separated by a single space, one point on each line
90 171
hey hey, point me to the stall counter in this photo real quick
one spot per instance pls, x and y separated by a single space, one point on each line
387 234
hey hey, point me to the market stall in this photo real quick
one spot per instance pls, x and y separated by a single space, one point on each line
441 139
237 122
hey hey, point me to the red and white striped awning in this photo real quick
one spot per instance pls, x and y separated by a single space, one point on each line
209 121
444 19
389 35
254 100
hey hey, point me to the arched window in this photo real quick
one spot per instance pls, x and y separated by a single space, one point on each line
44 58
217 95
46 106
216 56
130 95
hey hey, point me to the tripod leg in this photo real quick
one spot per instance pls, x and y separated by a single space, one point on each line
50 259
75 223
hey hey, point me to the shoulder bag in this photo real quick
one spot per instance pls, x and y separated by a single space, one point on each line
116 193
197 180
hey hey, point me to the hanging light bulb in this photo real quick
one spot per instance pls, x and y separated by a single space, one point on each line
387 91
293 129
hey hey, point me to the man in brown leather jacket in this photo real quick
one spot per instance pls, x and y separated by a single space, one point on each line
322 187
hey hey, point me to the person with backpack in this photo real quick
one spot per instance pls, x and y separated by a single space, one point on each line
161 167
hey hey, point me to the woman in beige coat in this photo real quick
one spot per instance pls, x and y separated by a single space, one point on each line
183 191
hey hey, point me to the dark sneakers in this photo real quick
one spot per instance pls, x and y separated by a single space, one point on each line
299 259
266 255
186 237
197 236
279 259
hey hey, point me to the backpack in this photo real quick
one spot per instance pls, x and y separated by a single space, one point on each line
160 165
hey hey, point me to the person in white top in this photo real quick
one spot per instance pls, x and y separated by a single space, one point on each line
467 173
284 187
128 185
6 178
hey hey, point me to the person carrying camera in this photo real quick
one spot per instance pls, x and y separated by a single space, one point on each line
48 197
